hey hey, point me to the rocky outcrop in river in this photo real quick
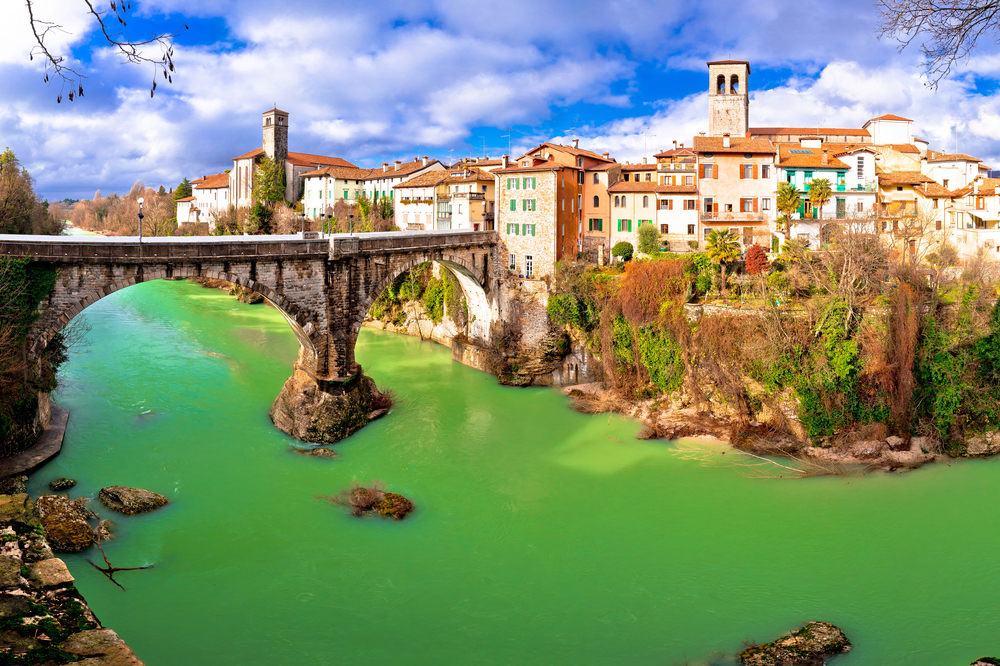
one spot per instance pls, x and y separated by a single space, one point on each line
66 522
810 645
130 501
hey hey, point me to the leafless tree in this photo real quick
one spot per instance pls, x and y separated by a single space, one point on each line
952 29
132 50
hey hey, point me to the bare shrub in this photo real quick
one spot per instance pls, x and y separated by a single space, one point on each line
648 285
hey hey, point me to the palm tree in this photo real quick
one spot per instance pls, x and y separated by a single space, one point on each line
819 193
723 247
789 201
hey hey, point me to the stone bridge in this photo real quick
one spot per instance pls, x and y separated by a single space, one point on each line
323 286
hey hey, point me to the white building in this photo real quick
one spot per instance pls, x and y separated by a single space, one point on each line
417 200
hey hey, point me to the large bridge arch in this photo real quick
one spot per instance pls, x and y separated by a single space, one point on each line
482 312
298 320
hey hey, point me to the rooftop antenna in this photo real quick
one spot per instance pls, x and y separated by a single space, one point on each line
645 149
508 135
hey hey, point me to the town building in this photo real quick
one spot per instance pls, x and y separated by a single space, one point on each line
471 194
418 198
677 199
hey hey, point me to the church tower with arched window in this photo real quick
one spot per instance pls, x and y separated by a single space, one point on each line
728 97
276 134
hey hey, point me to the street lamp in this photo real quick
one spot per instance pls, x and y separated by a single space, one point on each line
302 219
140 219
322 223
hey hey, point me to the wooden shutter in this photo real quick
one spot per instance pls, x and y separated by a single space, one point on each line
715 208
670 204
742 170
755 209
701 170
755 174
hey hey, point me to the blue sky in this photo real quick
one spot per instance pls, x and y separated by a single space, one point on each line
374 82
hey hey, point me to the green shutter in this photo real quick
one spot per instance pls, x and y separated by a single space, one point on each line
590 224
532 230
513 204
533 182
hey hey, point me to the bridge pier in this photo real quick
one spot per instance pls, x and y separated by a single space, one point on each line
322 287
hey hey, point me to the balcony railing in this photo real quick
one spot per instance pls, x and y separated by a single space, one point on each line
475 196
734 217
406 200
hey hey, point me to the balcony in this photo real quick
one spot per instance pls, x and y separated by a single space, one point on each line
408 201
734 217
473 196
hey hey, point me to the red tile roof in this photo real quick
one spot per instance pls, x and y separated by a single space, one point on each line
812 159
301 159
903 178
470 174
429 179
903 147
737 144
213 182
275 109
632 186
342 173
934 191
811 131
957 157
547 165
185 199
580 152
639 167
889 116
676 189
676 152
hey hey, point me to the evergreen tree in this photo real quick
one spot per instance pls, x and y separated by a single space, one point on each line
722 248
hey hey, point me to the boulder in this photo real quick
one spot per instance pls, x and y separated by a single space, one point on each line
61 484
10 571
105 530
103 647
13 485
14 604
986 661
130 501
983 444
18 510
50 573
868 450
897 443
393 505
66 523
810 644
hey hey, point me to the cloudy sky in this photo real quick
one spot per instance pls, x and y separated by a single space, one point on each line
378 81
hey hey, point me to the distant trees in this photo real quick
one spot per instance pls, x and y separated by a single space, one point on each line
119 216
21 210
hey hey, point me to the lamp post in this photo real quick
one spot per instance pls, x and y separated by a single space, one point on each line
322 222
302 219
140 219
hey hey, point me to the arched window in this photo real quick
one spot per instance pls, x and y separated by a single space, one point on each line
645 202
597 180
616 201
720 84
734 84
623 201
597 201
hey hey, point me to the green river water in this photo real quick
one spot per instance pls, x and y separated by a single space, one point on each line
541 536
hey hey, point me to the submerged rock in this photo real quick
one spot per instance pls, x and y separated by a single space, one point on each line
62 484
66 523
393 505
984 444
105 530
986 661
318 452
130 501
809 645
311 414
373 498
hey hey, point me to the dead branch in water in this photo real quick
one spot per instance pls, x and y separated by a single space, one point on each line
110 570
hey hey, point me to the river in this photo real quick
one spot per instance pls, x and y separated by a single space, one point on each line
541 536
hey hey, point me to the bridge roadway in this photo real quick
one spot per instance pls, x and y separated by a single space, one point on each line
323 286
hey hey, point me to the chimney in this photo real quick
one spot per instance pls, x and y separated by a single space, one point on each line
416 158
975 186
725 140
675 144
576 143
424 160
395 165
606 154
825 159
682 143
503 162
643 160
477 160
385 167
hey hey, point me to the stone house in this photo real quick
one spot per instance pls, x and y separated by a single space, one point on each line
538 214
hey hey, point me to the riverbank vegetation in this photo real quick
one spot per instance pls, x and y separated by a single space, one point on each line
22 211
857 338
116 215
419 293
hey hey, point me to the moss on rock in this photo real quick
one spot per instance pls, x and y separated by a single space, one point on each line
808 645
66 523
393 505
130 501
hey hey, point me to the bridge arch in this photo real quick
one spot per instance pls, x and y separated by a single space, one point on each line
305 331
476 296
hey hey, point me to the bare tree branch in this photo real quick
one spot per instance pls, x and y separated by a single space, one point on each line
952 27
133 51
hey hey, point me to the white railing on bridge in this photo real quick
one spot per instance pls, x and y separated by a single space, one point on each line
175 240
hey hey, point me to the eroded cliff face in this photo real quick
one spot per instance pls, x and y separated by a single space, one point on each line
310 414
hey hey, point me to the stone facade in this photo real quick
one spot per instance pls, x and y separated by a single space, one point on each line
728 97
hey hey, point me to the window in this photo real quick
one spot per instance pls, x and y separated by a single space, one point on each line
934 203
690 230
666 204
944 182
595 224
807 177
597 200
572 206
746 205
734 84
663 229
645 201
579 177
625 176
790 177
689 180
709 204
597 181
345 194
513 262
527 204
625 225
861 167
720 84
765 170
765 203
649 177
690 204
616 202
728 208
747 170
708 171
623 200
860 207
527 229
706 231
528 265
899 188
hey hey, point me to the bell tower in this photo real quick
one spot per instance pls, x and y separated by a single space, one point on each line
728 97
276 134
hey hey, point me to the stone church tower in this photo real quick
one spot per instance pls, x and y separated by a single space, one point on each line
728 97
276 135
